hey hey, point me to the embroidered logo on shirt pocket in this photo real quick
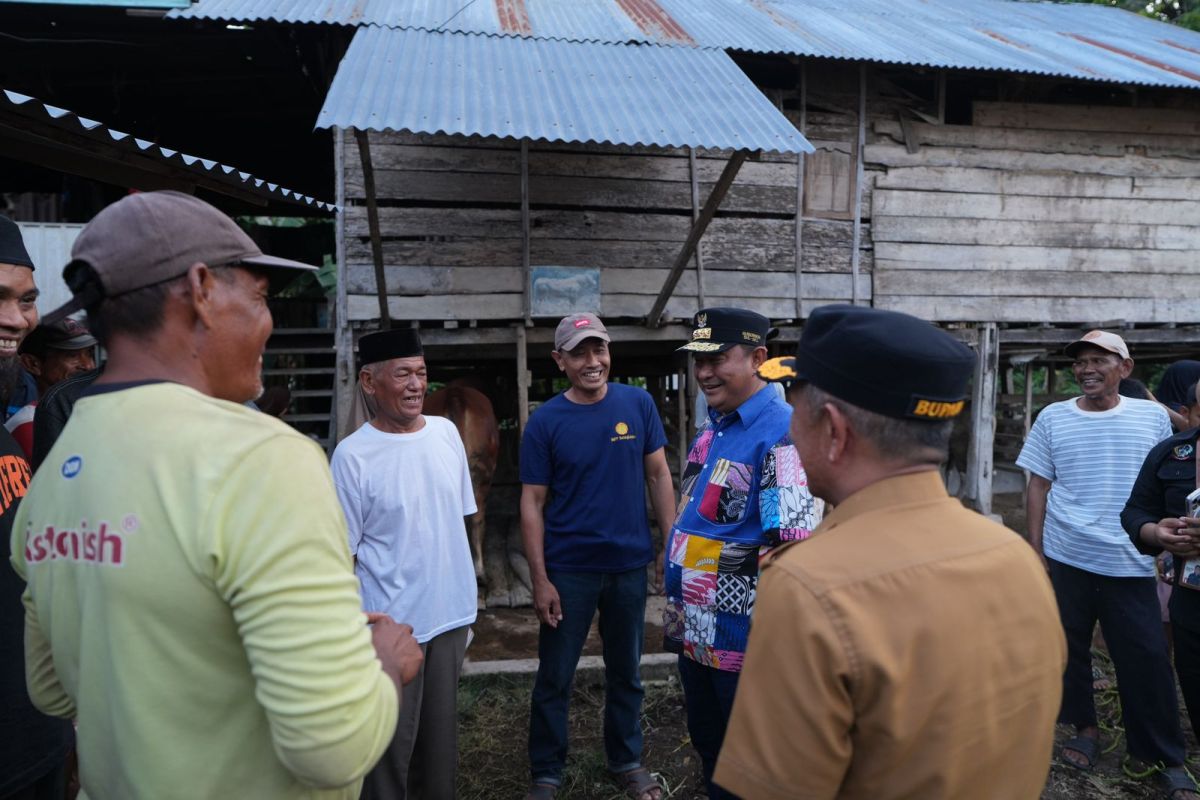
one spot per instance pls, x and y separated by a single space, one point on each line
727 493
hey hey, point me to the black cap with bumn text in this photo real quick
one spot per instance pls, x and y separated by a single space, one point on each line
881 361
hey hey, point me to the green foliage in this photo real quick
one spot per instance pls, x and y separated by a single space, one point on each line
1185 13
280 222
1064 381
1190 19
324 279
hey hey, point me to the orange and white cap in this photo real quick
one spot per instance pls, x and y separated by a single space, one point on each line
1102 339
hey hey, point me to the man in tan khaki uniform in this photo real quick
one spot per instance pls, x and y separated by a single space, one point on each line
910 648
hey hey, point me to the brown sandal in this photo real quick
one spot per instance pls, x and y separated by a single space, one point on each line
639 784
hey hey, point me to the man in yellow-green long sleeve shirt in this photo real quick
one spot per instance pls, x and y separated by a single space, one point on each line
190 595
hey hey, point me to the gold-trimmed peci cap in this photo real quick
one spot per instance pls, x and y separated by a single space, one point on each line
715 330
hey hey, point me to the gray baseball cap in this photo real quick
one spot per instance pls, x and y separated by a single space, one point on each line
575 328
152 237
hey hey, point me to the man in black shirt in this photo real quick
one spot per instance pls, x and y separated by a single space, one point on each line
35 746
1156 518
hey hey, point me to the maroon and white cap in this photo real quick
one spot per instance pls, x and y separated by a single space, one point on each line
575 328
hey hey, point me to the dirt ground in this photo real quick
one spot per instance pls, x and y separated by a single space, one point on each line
494 718
508 633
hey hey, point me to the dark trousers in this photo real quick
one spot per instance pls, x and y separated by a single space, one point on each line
51 786
708 694
1130 618
621 599
1187 667
422 760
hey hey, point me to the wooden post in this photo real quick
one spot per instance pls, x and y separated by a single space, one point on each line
364 153
654 318
696 215
1028 396
941 96
1028 416
681 406
980 453
523 378
343 334
526 289
860 154
800 198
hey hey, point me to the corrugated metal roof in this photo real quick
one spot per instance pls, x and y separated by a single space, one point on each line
27 106
1071 40
551 90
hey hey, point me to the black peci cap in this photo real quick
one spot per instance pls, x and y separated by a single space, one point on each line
881 361
389 344
715 330
12 246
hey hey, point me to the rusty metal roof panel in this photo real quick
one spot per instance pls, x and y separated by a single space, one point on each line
317 12
552 90
1069 40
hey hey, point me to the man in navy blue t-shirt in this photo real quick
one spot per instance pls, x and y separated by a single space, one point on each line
585 457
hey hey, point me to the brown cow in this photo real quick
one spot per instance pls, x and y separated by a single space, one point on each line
471 412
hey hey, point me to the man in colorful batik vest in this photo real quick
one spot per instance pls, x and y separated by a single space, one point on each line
743 491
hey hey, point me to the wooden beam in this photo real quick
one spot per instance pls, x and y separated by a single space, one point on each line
695 186
343 334
941 97
538 337
681 408
92 166
523 379
1028 406
980 452
911 143
860 153
654 318
1057 338
800 197
1112 119
526 289
364 152
100 158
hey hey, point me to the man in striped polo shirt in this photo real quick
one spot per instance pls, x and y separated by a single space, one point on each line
1083 455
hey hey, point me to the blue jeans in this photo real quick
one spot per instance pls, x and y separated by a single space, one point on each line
621 600
1131 621
708 694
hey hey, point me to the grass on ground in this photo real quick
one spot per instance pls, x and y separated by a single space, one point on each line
494 729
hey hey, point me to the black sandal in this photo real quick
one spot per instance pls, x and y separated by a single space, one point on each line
1173 780
1086 746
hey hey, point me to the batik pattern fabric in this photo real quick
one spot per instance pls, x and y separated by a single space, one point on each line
738 501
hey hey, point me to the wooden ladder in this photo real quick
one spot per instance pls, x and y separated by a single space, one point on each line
302 359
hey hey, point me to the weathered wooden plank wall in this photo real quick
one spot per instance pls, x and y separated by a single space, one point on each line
451 224
1040 213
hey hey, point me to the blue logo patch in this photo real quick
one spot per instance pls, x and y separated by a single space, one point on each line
72 467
